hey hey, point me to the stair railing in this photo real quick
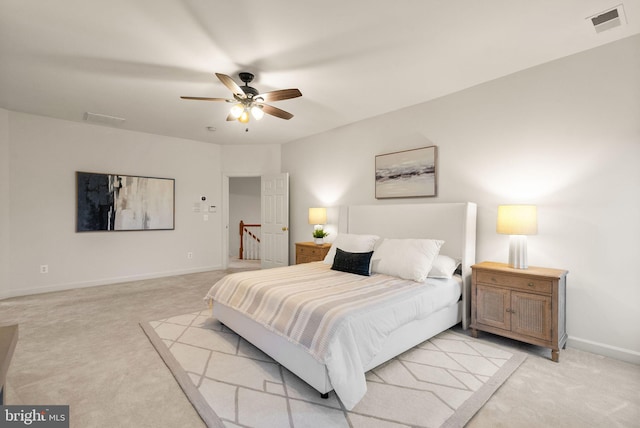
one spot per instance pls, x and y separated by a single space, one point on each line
249 241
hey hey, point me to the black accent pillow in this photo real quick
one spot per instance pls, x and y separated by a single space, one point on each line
358 263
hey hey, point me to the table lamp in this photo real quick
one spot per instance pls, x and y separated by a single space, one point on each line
517 221
318 217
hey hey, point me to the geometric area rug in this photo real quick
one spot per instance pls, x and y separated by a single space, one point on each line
442 382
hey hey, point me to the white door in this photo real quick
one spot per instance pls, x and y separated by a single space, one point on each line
275 220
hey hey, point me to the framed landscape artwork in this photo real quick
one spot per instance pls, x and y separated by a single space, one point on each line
114 202
407 174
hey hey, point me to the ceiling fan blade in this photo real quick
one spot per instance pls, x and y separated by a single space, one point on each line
274 111
282 94
229 83
206 99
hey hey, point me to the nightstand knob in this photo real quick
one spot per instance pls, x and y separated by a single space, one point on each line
531 284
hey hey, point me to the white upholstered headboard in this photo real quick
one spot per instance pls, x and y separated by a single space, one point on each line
454 223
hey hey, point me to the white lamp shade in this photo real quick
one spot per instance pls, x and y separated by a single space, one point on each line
517 220
244 117
317 215
257 112
236 110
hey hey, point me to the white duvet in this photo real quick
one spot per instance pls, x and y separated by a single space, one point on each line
341 319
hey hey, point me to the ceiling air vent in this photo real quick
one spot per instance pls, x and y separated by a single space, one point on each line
103 119
608 19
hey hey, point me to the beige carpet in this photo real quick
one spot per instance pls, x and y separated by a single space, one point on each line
440 383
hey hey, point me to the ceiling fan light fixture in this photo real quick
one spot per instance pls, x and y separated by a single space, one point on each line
247 101
236 110
256 112
244 117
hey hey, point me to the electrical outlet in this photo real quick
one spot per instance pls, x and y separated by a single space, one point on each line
44 268
189 255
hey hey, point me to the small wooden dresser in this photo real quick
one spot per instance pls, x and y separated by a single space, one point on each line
310 252
523 304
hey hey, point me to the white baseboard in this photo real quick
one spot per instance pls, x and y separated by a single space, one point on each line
603 349
5 294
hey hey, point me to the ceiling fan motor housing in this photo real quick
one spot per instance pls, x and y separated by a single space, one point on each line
249 91
247 77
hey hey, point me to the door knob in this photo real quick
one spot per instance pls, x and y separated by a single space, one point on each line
285 228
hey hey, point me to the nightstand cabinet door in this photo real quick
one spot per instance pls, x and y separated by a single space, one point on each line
492 306
531 315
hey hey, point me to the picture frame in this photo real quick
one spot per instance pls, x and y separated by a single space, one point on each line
118 202
407 174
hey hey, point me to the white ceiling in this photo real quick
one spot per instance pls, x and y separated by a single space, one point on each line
352 59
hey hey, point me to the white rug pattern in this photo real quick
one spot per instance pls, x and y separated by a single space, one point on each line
442 382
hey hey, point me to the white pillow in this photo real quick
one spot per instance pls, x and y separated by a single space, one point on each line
406 258
352 244
444 267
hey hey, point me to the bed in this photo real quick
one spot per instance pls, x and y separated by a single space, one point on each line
370 336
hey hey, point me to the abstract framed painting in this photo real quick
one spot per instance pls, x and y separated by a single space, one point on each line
116 202
407 174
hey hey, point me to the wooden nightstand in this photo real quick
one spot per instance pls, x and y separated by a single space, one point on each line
523 304
310 252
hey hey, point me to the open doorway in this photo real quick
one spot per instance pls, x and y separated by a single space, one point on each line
244 206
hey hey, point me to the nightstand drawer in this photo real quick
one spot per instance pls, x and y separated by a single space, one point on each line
307 252
512 281
311 252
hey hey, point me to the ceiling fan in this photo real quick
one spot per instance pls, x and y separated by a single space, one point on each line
248 100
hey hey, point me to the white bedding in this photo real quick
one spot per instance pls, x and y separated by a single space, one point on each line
356 331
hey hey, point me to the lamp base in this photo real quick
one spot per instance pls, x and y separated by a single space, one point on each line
518 251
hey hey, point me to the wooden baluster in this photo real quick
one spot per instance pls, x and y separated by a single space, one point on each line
240 253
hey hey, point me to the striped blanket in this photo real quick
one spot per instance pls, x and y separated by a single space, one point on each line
335 316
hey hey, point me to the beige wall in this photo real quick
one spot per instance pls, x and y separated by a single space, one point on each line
246 160
45 153
564 136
